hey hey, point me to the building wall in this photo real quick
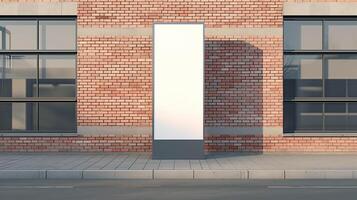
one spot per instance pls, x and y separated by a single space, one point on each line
243 82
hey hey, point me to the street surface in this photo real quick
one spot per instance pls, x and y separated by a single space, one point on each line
177 189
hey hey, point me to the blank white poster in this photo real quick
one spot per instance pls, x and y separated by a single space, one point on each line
178 81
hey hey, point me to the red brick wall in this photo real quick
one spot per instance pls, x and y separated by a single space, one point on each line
133 143
142 143
243 77
141 13
280 144
114 81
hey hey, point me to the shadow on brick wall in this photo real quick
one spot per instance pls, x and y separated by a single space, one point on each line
233 95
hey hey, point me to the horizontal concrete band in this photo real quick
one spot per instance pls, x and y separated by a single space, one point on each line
178 174
321 8
92 32
38 8
209 130
139 130
114 130
271 131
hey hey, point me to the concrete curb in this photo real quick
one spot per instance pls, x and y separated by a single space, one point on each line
178 174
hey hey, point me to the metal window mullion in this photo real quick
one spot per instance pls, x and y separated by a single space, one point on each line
38 92
323 116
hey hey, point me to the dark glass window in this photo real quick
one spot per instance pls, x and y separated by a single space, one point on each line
305 35
55 35
57 116
18 117
18 34
320 75
57 76
302 76
19 75
38 75
341 35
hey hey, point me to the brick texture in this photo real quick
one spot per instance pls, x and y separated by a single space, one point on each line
114 81
280 144
243 77
142 143
141 13
133 143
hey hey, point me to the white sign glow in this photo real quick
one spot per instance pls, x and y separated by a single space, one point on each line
178 81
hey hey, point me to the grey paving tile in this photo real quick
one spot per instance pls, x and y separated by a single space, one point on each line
152 164
77 162
213 164
140 162
102 162
225 163
91 161
115 162
13 161
167 164
195 164
182 164
204 164
128 162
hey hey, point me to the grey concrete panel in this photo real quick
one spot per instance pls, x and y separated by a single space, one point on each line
320 8
259 131
114 130
318 174
64 174
134 174
38 8
173 174
178 149
99 174
22 174
266 174
220 174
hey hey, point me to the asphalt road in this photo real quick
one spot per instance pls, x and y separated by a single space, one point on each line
178 190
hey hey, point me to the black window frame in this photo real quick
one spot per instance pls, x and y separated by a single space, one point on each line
38 52
324 52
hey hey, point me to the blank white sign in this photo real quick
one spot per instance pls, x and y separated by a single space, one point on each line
178 81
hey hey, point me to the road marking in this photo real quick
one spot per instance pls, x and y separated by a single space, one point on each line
313 187
36 187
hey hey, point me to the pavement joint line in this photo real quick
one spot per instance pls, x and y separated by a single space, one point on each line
126 158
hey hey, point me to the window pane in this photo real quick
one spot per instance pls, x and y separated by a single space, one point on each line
302 35
352 116
20 117
57 76
18 35
302 76
58 35
302 116
341 75
335 116
57 116
18 76
341 34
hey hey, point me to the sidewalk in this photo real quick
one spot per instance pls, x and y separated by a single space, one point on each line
141 166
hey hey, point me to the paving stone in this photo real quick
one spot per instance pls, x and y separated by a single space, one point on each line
266 174
220 174
64 174
173 174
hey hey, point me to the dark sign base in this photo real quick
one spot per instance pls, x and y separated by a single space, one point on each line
178 149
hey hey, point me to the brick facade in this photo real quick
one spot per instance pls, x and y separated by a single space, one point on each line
142 143
243 82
